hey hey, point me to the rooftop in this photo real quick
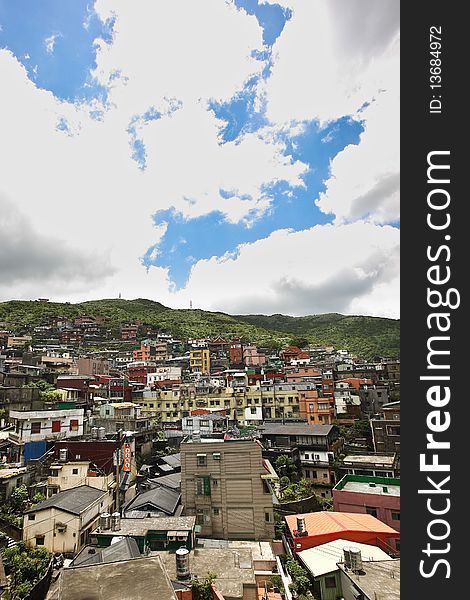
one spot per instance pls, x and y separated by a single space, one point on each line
379 580
233 568
125 580
123 549
73 501
295 429
323 559
139 527
386 486
162 498
325 522
385 459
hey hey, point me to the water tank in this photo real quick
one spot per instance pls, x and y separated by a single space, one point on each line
115 521
182 563
356 559
196 437
300 524
101 433
63 454
347 557
105 521
94 432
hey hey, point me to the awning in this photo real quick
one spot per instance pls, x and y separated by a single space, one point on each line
180 534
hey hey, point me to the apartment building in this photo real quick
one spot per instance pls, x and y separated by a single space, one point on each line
223 485
200 361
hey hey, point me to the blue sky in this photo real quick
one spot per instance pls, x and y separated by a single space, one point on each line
188 240
54 40
275 74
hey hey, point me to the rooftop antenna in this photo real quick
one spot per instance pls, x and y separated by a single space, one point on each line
191 304
119 295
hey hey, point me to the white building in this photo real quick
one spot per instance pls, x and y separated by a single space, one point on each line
162 373
65 476
206 424
63 523
38 425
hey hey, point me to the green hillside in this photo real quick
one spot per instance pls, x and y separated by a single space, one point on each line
366 336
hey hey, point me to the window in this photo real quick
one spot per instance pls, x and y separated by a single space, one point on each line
73 424
56 426
253 410
39 540
314 474
371 510
31 517
395 515
203 486
201 460
216 455
317 457
204 423
74 471
267 517
189 422
330 582
307 456
35 427
325 475
215 512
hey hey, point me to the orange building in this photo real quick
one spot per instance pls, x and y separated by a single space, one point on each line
317 411
312 529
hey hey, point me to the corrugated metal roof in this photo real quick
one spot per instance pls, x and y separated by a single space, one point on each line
325 522
73 501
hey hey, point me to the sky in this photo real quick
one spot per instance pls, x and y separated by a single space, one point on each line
239 155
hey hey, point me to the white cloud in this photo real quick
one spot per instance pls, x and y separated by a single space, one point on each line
332 57
364 182
82 186
49 42
328 268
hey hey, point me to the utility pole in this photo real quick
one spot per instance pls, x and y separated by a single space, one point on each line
118 470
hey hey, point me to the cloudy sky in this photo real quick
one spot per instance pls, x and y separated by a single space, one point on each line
242 154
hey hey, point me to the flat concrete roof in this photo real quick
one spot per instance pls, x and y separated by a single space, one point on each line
259 550
365 488
139 527
126 580
233 568
370 459
379 580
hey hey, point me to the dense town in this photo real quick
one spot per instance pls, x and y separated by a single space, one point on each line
134 464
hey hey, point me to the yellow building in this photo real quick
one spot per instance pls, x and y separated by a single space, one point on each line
200 360
244 404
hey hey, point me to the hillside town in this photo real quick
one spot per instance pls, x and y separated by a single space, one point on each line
138 465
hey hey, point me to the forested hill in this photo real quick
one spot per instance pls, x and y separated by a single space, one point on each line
366 336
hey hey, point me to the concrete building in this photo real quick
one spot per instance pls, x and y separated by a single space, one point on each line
33 426
12 478
126 579
93 366
205 424
154 533
374 464
222 485
321 563
386 428
376 496
200 361
68 475
376 581
315 445
64 522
